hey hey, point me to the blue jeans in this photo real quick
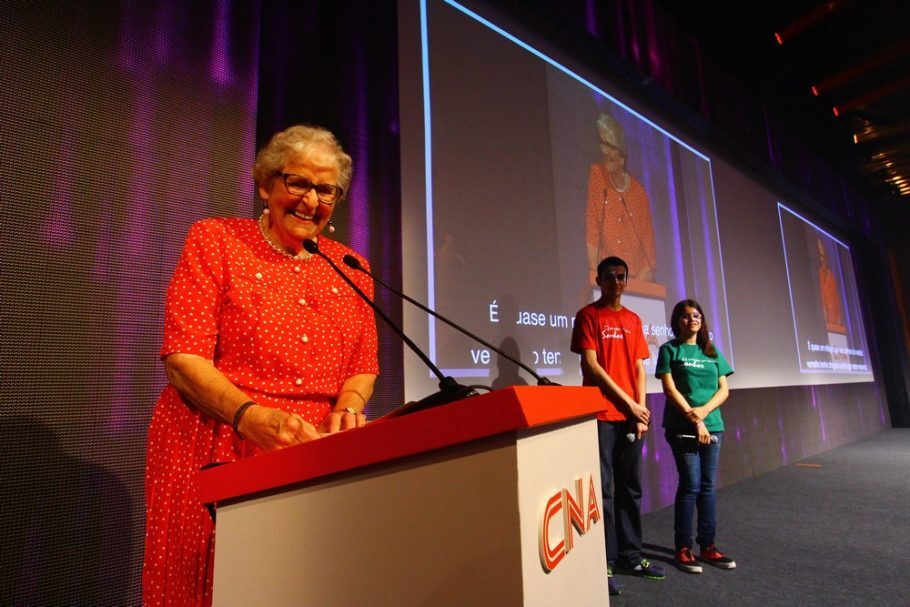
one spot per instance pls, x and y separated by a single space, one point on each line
697 468
620 484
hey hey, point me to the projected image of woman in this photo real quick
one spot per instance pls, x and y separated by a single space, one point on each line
264 347
694 377
618 218
830 291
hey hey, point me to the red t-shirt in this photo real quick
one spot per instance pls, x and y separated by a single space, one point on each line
616 337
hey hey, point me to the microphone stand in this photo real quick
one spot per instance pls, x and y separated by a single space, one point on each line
449 389
354 263
641 245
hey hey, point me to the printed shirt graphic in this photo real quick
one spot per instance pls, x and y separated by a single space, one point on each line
616 337
696 377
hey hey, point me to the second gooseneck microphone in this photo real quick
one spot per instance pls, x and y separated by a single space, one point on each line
354 263
449 389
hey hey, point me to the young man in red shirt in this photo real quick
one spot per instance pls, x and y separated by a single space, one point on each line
612 346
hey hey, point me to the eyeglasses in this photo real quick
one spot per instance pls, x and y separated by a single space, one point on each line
613 276
298 185
693 316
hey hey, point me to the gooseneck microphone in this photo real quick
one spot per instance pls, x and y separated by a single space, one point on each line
354 263
641 245
449 389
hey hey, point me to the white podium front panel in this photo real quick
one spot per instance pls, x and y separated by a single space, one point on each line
437 529
559 469
493 500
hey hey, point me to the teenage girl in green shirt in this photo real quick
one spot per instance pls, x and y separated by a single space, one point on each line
694 377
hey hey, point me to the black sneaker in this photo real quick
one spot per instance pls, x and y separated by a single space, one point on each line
644 568
615 590
710 554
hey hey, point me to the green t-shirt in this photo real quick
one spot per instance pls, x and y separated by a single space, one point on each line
695 375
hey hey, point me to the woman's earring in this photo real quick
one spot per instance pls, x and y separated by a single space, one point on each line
331 227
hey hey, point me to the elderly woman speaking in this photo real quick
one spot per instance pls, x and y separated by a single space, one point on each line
264 347
618 217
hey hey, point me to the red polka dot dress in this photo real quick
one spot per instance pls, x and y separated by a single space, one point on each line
287 331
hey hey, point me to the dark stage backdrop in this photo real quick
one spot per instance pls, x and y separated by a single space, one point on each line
121 123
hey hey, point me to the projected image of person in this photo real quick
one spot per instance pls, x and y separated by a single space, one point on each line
830 292
264 347
618 218
611 343
694 377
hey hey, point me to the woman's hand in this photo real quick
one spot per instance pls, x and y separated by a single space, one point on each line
695 415
273 429
704 437
344 419
352 397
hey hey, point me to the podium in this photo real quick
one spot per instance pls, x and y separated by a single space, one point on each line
492 500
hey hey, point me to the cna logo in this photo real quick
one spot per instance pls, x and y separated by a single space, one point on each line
562 513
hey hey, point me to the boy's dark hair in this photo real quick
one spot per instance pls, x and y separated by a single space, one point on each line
612 261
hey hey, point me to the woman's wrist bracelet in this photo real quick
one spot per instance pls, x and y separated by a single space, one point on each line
238 415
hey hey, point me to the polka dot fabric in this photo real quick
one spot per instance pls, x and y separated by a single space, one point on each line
287 331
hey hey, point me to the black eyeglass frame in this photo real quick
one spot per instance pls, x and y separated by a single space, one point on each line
622 279
327 189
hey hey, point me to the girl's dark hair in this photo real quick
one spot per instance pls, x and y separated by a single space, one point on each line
701 338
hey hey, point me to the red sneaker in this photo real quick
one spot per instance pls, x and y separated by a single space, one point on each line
685 561
710 554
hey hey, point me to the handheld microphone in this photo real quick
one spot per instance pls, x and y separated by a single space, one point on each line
449 389
712 441
354 263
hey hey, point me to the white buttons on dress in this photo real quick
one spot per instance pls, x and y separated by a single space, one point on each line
297 268
258 275
298 381
301 301
304 338
335 290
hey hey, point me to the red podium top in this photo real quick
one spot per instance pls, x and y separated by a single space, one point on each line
481 416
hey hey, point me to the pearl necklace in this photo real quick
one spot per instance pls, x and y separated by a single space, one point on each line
625 185
304 255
